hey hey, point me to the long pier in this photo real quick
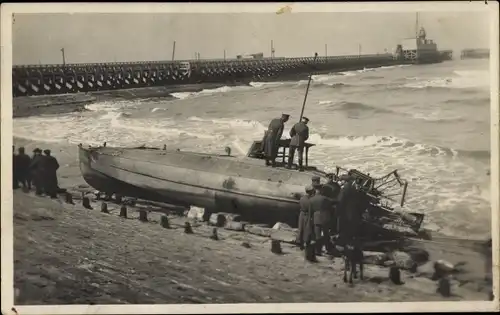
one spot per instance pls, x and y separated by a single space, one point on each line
30 80
475 54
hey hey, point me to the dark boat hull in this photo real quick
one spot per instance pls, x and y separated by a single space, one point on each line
227 184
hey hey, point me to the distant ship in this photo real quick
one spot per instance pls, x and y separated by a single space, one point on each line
420 50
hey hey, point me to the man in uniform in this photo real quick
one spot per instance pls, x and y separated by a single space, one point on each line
50 166
304 210
316 181
299 134
321 207
352 203
271 138
331 190
23 165
37 172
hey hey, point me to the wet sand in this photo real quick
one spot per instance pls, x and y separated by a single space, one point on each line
65 254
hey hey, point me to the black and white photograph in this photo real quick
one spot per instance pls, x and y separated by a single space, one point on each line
236 158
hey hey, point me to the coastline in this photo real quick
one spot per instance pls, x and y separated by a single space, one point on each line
128 261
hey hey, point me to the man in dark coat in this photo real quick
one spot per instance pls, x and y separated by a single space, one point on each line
299 134
271 138
15 169
303 218
321 207
50 166
331 190
37 171
23 165
352 204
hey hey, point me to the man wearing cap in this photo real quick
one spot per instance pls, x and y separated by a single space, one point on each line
23 165
303 216
37 172
50 166
271 138
321 208
299 134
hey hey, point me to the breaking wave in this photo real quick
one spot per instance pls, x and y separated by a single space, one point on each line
465 79
354 106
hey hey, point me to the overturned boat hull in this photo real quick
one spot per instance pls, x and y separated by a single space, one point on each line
226 183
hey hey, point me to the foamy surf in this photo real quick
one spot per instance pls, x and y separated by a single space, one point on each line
460 80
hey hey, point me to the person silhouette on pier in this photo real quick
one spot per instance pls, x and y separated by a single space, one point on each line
271 138
299 134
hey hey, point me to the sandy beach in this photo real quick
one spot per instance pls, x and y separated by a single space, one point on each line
67 254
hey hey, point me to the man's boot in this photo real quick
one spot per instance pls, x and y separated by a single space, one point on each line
301 168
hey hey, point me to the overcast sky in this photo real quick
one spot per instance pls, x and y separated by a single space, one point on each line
38 38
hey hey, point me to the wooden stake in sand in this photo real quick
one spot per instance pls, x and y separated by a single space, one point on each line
395 275
86 203
123 211
143 216
164 222
276 247
118 198
444 287
187 228
104 207
214 235
69 198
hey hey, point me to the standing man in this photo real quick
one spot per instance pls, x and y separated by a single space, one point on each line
321 207
23 161
299 134
271 138
15 169
37 171
51 166
352 203
304 209
331 190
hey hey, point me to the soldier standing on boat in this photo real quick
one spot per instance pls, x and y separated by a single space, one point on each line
271 138
321 208
299 134
37 172
23 171
303 216
51 166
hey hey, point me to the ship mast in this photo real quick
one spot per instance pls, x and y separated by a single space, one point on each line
416 26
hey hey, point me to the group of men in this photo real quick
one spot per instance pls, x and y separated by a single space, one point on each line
40 171
299 135
333 209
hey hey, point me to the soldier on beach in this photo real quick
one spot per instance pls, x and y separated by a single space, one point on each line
271 138
23 168
15 168
299 134
37 172
331 190
321 207
303 216
352 203
50 166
